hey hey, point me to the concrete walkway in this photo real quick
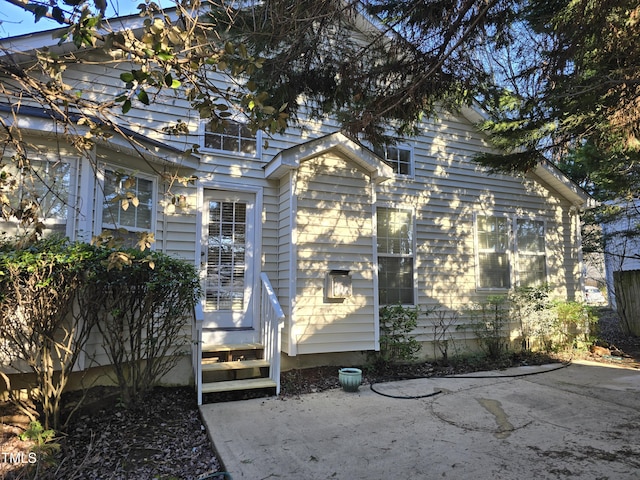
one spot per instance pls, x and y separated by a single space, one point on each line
579 422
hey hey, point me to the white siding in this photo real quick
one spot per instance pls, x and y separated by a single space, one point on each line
334 232
320 217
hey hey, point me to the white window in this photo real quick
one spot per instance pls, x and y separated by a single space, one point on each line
46 183
128 201
232 137
395 256
493 252
399 158
504 257
530 246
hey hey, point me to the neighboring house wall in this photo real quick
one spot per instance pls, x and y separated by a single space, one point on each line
622 245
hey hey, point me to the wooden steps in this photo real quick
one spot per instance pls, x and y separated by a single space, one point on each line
208 366
235 385
234 367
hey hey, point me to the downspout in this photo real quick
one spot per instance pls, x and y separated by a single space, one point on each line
574 212
374 246
293 255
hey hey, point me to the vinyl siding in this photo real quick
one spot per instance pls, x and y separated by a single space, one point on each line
334 232
320 217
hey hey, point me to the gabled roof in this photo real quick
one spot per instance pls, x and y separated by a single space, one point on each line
556 179
338 143
544 171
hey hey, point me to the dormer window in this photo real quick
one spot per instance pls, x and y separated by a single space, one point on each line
230 136
398 157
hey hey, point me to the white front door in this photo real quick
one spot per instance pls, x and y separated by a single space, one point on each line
228 274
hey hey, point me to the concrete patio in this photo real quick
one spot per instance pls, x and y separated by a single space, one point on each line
581 421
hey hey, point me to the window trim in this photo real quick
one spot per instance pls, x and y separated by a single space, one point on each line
414 280
512 250
100 224
202 136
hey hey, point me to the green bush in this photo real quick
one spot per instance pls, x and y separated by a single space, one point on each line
141 308
397 322
490 325
43 331
54 293
575 325
532 308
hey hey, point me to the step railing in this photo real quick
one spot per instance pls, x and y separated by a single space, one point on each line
196 354
272 322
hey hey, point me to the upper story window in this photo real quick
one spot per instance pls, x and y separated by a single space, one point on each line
127 203
395 256
505 256
230 136
48 185
399 158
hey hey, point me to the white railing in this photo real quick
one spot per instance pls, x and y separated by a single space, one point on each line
272 319
198 317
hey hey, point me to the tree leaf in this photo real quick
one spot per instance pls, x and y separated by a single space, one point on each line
143 97
127 77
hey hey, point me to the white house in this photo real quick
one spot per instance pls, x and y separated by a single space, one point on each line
316 231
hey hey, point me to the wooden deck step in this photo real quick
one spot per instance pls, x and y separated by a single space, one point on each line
233 385
236 365
231 347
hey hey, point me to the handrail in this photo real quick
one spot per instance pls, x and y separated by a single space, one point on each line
272 318
198 318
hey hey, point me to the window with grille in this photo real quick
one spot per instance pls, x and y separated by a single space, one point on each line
493 252
530 246
229 136
504 256
395 256
127 205
399 158
46 184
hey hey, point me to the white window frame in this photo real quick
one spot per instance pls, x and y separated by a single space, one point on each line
413 255
395 164
69 221
236 153
101 223
512 251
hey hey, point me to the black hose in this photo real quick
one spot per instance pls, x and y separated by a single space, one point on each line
433 394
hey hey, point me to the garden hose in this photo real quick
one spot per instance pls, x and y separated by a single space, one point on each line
433 394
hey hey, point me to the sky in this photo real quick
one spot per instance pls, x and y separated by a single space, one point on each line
15 21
